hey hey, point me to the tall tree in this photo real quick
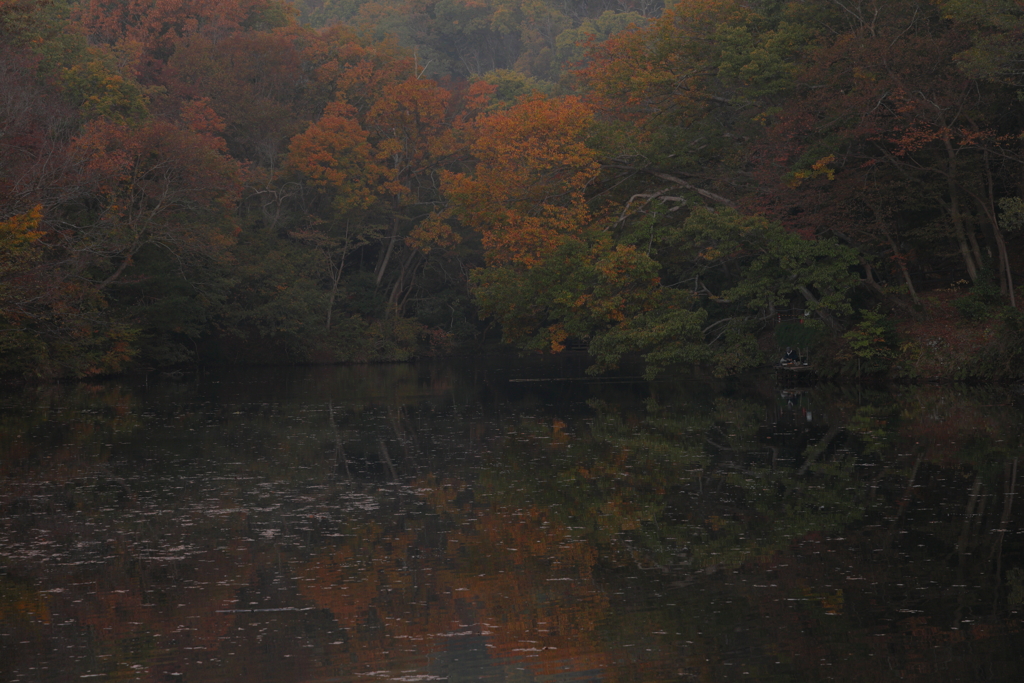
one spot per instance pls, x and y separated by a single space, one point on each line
373 160
885 105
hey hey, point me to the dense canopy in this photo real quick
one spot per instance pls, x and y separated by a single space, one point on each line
690 182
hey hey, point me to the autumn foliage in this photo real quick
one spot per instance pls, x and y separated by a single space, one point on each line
218 180
527 192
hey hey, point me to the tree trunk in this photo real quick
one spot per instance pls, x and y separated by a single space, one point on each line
382 266
956 216
127 261
899 259
1006 275
393 300
330 302
821 313
336 272
870 280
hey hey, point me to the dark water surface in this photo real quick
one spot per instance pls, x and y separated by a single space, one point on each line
450 523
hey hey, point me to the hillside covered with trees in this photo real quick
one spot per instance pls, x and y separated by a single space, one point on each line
690 182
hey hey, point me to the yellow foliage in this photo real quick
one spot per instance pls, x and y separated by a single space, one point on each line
818 169
557 335
527 192
433 232
19 237
21 229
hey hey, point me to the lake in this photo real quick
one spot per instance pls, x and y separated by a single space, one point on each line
508 520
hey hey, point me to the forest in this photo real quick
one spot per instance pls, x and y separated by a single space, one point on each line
697 183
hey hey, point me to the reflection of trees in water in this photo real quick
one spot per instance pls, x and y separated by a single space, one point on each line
467 569
391 515
904 477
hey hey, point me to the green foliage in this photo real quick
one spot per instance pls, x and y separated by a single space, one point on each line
768 266
802 334
572 44
269 15
87 342
510 86
761 57
664 339
872 338
173 309
871 343
274 308
998 26
979 303
22 352
736 349
98 89
366 197
1003 357
1011 215
393 338
594 291
105 349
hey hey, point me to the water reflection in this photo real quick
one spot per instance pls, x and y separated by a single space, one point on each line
500 521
